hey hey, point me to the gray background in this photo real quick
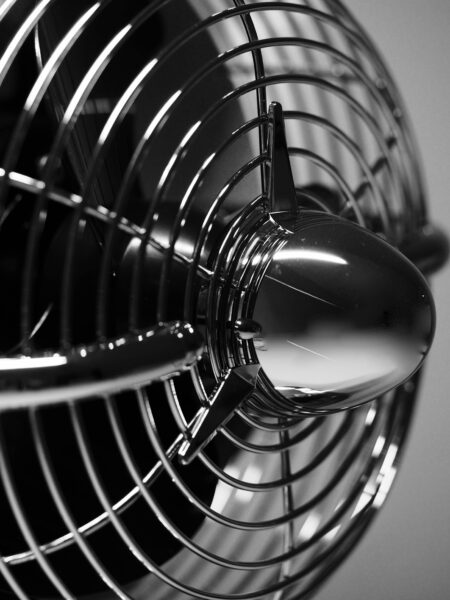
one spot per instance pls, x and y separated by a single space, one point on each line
406 553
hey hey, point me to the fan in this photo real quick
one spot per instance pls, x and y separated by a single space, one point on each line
214 244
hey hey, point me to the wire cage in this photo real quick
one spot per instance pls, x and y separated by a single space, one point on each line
132 135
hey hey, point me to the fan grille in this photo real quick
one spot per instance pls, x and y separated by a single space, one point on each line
142 135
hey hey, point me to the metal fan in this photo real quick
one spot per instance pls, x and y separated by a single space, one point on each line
213 243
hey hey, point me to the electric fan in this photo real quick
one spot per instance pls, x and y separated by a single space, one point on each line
213 250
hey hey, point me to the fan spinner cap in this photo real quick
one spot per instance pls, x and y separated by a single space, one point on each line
344 316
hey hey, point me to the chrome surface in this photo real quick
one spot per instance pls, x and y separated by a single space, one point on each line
345 317
109 367
236 386
282 197
247 329
150 207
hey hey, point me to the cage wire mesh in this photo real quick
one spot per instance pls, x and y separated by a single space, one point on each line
131 137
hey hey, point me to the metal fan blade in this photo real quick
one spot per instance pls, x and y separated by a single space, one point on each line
282 194
234 389
106 368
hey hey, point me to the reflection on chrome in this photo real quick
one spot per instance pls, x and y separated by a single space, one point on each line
28 362
100 369
334 337
343 361
329 537
387 475
252 474
371 414
226 493
365 499
379 445
309 527
306 254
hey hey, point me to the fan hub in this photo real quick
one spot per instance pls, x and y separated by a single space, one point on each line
345 317
334 315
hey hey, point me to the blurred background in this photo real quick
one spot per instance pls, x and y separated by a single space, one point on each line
405 555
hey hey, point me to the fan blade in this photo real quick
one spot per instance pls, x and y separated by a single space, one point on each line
282 194
106 368
234 389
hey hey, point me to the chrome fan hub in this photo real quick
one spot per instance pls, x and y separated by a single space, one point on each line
344 316
333 314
